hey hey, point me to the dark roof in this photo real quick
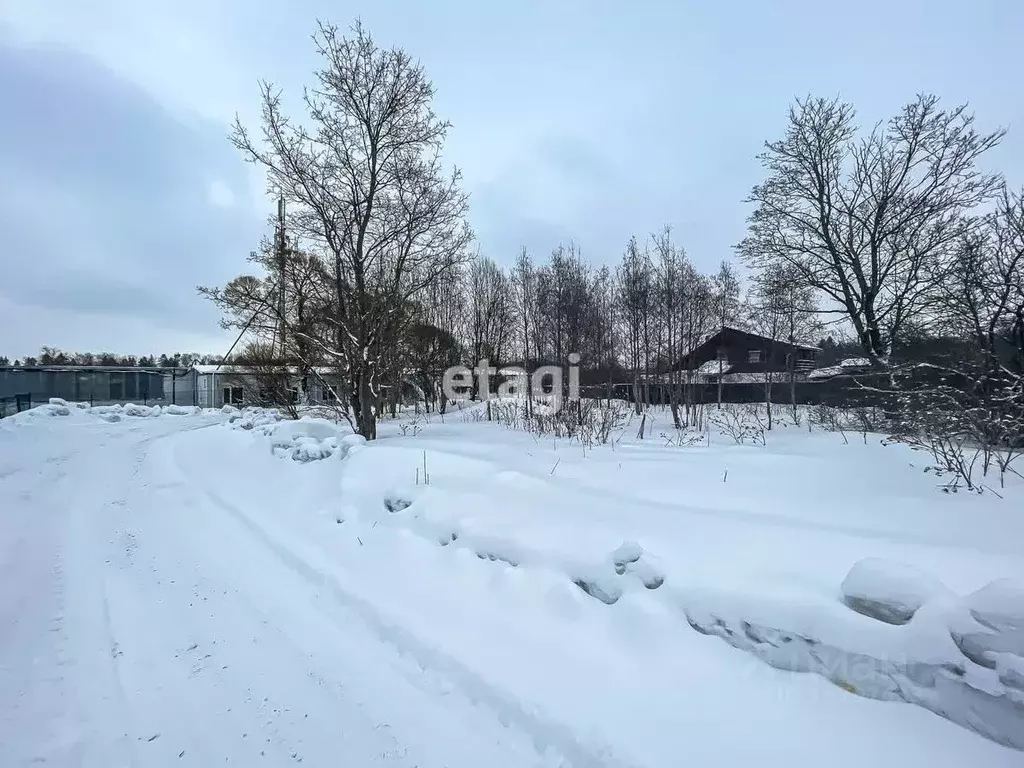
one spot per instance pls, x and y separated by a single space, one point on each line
742 332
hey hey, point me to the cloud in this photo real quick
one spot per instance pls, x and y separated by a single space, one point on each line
110 206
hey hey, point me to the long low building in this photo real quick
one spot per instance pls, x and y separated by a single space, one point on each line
97 384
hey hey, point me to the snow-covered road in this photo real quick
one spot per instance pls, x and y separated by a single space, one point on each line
173 593
142 625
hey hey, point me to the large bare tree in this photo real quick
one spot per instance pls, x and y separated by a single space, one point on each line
983 291
366 191
868 221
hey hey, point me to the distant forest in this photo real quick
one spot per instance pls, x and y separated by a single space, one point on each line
54 356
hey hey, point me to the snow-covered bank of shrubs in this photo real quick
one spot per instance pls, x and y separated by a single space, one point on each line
304 439
961 658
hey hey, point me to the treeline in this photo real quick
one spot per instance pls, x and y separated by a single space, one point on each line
54 356
894 233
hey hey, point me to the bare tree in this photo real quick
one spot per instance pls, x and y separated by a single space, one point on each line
671 272
635 301
783 308
525 283
727 307
983 291
696 322
491 313
366 190
252 305
868 221
983 303
264 377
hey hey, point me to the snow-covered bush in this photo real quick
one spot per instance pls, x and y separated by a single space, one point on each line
738 422
889 591
967 419
303 440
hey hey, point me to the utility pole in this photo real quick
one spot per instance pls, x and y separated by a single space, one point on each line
280 246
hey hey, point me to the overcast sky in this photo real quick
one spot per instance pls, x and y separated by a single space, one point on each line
582 120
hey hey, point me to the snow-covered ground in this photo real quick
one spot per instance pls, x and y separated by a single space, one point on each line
194 588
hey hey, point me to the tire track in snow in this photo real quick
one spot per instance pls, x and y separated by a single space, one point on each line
545 734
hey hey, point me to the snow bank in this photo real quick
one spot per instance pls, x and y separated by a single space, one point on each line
141 411
37 413
991 623
999 606
888 591
250 418
305 439
182 410
921 662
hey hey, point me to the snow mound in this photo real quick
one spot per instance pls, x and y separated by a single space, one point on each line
914 662
141 411
253 418
182 410
303 440
992 624
628 552
1010 668
888 591
100 410
999 605
630 558
316 429
40 411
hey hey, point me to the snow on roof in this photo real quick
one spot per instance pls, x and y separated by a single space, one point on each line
825 373
846 366
206 369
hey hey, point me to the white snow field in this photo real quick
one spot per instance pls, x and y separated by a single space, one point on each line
190 588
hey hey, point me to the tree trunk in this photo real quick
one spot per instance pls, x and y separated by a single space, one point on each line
792 389
673 399
720 381
363 406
